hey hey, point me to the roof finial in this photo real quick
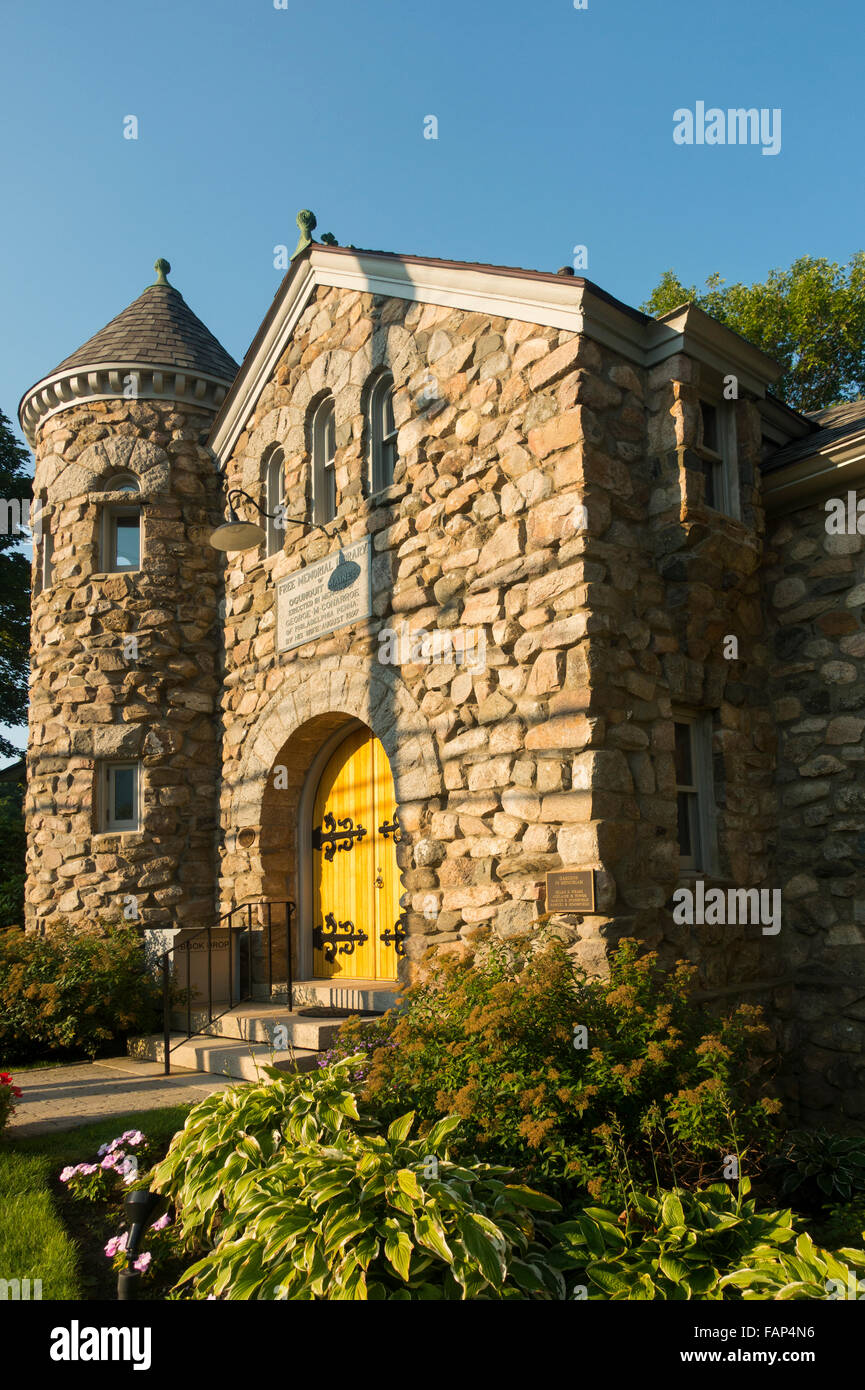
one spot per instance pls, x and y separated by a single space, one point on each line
306 221
162 269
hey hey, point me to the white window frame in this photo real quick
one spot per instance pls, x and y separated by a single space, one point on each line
323 463
46 550
111 514
382 441
702 809
108 820
47 554
110 517
274 499
723 461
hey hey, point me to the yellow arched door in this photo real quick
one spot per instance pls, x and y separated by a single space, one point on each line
357 931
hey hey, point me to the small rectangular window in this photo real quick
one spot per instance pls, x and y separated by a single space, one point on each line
694 793
719 453
47 553
119 809
122 539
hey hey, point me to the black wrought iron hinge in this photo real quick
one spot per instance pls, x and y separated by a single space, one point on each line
329 838
391 828
397 935
336 938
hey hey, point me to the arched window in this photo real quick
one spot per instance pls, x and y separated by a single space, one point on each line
275 501
324 462
121 527
122 482
382 433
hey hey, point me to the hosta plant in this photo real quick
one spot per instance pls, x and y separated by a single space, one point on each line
819 1164
712 1244
316 1209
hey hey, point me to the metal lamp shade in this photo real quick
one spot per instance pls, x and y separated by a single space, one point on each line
235 534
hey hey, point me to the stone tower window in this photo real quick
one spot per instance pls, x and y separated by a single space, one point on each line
275 501
382 433
324 462
118 799
121 528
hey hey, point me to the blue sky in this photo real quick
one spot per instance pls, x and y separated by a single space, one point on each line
554 130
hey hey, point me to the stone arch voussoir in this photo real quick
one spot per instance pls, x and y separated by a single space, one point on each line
358 688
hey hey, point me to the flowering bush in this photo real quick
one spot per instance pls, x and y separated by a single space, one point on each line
119 1165
159 1237
571 1079
73 989
9 1093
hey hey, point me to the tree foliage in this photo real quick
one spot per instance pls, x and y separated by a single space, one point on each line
14 591
809 318
13 845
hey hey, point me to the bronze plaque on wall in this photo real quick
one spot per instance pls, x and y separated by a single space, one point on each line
571 890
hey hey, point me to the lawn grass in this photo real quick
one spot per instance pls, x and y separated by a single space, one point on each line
44 1233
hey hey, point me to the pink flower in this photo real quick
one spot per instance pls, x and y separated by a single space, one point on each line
161 1223
67 1173
116 1244
143 1261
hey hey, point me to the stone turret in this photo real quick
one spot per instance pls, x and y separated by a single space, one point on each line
123 744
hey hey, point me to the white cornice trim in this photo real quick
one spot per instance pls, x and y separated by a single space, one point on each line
252 379
562 303
692 331
104 382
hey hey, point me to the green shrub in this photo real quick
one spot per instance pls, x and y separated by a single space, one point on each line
73 989
710 1245
818 1164
842 1223
662 1093
298 1204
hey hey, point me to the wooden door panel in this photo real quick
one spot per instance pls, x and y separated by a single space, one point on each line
355 877
387 891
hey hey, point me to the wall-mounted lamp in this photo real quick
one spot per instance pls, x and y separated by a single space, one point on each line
236 534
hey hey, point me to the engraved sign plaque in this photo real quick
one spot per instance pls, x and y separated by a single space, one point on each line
324 596
571 890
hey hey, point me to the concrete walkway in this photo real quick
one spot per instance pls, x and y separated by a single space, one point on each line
57 1098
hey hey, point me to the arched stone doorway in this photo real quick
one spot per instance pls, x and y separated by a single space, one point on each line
269 793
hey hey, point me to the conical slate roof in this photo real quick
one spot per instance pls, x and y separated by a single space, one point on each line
157 329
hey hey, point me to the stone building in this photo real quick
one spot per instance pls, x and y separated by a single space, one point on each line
543 585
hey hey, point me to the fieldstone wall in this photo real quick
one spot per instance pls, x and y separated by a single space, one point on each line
815 595
92 699
544 499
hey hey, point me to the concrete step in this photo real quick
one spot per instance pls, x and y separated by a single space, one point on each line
269 1024
223 1056
239 1041
366 996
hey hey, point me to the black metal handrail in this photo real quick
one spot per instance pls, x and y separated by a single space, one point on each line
226 923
